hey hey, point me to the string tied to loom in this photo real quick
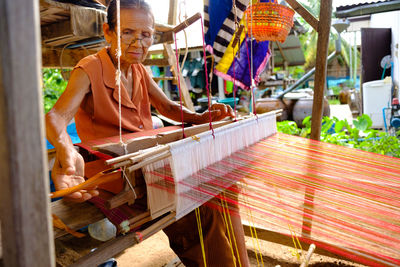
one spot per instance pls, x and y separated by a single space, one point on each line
118 74
237 40
206 74
179 84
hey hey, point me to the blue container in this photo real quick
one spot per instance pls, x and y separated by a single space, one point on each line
229 101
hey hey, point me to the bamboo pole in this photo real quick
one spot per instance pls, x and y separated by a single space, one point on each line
150 160
142 156
308 256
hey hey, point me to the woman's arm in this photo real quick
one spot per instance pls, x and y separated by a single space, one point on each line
172 110
68 168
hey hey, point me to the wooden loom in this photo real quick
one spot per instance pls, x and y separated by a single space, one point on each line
24 184
284 180
170 146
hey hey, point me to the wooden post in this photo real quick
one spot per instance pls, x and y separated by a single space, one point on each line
173 9
324 27
187 101
27 238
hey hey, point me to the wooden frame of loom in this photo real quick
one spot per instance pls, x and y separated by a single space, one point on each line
28 238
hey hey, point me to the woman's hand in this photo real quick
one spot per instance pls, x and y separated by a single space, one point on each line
218 112
68 171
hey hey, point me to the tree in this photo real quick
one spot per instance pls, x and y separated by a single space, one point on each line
310 38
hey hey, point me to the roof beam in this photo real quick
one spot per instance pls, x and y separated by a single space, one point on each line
67 59
307 16
172 14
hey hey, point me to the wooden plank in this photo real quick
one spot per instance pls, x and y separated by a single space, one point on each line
145 142
107 250
55 30
161 62
307 16
24 189
70 57
74 215
163 27
64 40
187 101
163 37
115 246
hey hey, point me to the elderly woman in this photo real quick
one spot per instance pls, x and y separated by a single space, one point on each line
92 97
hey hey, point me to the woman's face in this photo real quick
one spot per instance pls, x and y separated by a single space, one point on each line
137 28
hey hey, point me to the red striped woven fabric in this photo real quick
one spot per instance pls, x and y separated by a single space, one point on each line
344 200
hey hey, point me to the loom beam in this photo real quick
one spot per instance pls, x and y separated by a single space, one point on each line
187 23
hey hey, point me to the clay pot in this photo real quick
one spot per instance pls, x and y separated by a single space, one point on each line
303 108
345 97
264 105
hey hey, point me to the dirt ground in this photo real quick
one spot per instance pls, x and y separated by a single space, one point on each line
155 252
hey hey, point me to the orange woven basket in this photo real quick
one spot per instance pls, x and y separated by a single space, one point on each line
269 21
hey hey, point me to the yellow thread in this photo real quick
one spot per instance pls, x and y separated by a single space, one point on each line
258 243
233 232
195 138
201 235
254 234
227 229
295 251
254 245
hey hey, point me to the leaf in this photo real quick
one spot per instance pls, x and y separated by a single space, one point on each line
368 119
326 126
306 120
339 126
361 124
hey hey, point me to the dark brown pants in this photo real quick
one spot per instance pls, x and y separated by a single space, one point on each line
184 239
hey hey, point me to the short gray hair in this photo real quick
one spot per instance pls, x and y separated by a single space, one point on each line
125 4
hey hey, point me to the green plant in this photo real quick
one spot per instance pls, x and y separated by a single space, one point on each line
288 127
335 89
334 102
340 132
53 86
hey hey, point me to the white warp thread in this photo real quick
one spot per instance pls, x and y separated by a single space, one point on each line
188 156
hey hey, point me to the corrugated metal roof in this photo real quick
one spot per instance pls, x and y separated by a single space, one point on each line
347 7
367 8
291 50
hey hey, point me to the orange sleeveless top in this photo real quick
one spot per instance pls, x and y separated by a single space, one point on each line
98 115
